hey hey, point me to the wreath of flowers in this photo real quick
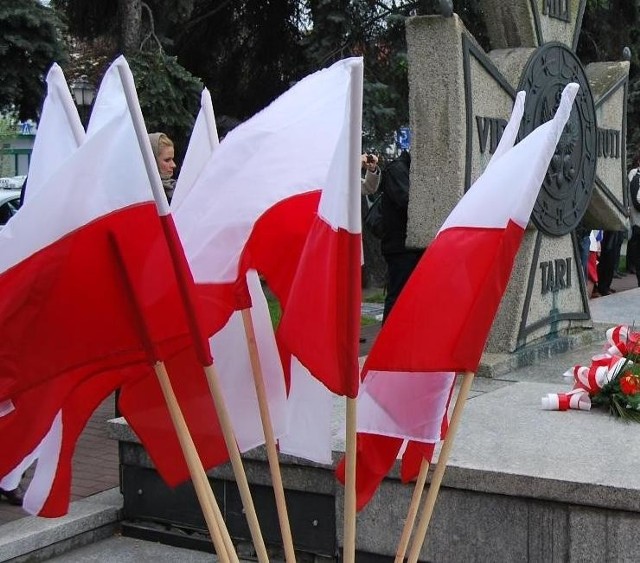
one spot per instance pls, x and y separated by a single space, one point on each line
611 381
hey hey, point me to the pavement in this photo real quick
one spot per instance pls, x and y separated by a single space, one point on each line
96 468
130 550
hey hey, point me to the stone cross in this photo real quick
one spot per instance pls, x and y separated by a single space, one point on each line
460 99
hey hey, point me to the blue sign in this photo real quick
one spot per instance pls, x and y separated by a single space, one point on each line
403 138
26 128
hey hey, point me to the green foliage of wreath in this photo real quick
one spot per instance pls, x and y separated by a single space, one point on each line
621 396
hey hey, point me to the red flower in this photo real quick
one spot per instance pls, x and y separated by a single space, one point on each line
629 384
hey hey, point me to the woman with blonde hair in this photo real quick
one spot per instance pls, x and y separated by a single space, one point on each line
163 151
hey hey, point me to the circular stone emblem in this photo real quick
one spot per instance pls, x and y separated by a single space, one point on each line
567 187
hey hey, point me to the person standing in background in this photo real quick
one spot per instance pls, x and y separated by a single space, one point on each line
584 242
592 266
371 179
163 151
609 249
400 260
633 246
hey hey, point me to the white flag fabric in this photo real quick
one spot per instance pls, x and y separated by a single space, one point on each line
203 141
59 134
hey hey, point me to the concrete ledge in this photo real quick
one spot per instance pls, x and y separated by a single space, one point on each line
38 539
525 482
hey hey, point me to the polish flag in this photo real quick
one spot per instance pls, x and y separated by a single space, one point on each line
60 132
281 195
122 259
62 292
229 346
142 402
409 373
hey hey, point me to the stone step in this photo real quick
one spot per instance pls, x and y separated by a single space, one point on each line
32 539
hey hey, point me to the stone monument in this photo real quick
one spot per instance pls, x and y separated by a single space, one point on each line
460 100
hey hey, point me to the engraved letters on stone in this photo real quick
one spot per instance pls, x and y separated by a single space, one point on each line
558 9
555 274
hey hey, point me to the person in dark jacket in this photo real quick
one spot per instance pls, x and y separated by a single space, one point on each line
400 260
607 262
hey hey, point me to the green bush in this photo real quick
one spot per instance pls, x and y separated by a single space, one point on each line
169 95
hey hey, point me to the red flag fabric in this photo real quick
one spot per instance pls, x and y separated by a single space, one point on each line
61 288
440 323
96 300
49 492
281 195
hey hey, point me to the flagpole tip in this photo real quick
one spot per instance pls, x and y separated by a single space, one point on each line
566 102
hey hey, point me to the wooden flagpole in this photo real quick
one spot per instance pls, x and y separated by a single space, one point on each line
213 517
236 462
412 512
209 116
354 164
438 473
272 454
179 262
224 546
349 546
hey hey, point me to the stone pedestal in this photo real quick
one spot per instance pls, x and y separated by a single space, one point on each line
518 487
460 99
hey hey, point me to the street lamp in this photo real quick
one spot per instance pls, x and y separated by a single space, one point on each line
83 94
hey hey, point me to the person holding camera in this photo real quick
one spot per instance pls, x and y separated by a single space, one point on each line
371 179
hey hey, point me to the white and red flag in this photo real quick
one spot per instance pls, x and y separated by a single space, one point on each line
61 287
280 195
60 132
85 263
440 323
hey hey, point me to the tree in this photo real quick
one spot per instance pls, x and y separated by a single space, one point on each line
608 26
247 53
375 31
130 19
169 94
30 41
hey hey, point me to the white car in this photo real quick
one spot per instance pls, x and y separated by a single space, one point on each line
9 205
